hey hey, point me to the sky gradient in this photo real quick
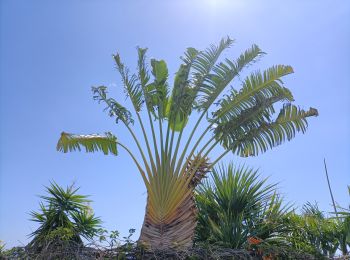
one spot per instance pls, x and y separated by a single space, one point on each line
52 52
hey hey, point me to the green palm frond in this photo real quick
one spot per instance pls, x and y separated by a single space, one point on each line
131 85
160 73
86 223
190 55
231 188
142 67
180 103
159 88
268 221
70 142
144 77
39 217
258 85
65 199
181 99
254 116
253 140
114 108
244 119
275 207
230 125
223 73
205 60
312 210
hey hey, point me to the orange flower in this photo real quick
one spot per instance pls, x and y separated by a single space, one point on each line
268 257
254 240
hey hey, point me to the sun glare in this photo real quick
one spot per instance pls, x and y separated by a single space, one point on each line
221 4
214 3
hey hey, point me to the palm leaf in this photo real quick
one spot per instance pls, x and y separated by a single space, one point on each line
70 142
158 89
144 77
260 112
65 199
114 108
290 120
231 125
86 223
131 85
223 73
205 60
190 56
180 103
312 210
245 118
258 85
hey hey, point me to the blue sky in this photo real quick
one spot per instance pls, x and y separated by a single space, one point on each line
52 52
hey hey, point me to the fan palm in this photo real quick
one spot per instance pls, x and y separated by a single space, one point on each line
236 206
242 121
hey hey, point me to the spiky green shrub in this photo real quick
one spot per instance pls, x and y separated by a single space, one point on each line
236 205
64 216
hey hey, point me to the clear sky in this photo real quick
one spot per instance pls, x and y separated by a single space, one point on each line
52 52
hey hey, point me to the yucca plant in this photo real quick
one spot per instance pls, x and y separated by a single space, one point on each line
241 120
237 208
64 216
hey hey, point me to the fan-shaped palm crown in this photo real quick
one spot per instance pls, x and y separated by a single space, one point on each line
240 119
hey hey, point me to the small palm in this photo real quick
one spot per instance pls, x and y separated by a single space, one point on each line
64 214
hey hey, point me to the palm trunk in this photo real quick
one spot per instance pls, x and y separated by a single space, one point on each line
177 233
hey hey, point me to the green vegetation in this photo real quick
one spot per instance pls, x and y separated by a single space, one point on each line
2 247
64 218
239 215
243 120
237 207
344 227
312 232
235 212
